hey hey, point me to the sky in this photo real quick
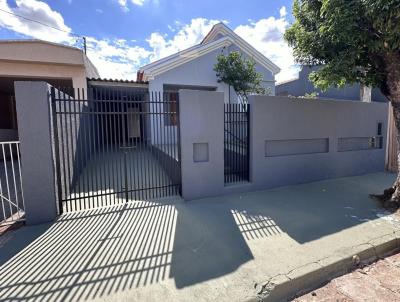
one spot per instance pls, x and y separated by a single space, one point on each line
123 35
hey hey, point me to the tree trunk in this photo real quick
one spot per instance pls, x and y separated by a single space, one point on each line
391 196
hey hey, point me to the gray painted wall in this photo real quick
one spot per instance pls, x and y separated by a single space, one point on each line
38 175
283 118
202 121
296 126
302 86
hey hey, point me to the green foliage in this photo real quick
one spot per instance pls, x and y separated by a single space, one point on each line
312 95
240 73
353 40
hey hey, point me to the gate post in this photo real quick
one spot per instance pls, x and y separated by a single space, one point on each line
201 115
34 130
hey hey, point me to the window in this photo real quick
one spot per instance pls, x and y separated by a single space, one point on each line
170 108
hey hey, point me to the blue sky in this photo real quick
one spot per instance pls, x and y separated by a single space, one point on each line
126 34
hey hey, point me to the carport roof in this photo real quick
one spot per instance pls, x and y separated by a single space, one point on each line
116 82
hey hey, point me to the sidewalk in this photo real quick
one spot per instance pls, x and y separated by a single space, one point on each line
251 246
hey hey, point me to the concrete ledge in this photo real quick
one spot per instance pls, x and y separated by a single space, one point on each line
313 275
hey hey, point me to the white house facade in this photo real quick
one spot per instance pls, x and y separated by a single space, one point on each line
193 68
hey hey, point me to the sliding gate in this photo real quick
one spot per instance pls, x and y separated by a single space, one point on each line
115 145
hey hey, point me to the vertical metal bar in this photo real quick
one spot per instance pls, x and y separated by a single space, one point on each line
20 177
154 142
76 161
14 180
145 152
135 154
114 148
94 173
225 151
129 113
248 141
149 147
169 144
126 175
83 129
237 162
100 158
61 109
90 137
178 147
147 105
142 115
162 135
121 117
66 159
142 179
57 154
2 198
103 162
6 175
111 182
71 154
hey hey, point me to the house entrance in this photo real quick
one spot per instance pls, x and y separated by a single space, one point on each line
113 146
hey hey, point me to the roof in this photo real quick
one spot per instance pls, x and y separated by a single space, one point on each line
116 82
39 41
209 44
287 81
221 28
44 52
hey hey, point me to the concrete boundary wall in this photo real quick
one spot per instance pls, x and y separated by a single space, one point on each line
35 133
201 116
292 141
283 118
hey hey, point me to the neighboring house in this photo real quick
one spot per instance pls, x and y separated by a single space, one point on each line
193 68
35 60
302 86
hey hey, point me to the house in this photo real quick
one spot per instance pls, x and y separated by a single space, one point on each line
302 86
35 60
193 68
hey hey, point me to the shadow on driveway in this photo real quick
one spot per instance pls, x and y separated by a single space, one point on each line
97 253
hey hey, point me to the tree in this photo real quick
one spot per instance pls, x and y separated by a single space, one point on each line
240 73
355 41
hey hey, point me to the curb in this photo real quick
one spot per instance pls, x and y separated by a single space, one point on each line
313 275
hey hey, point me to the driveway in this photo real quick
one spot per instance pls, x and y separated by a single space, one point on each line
215 249
147 171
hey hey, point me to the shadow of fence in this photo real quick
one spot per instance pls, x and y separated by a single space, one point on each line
87 255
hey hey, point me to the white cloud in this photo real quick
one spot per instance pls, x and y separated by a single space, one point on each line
187 36
266 35
138 2
36 10
125 3
282 11
118 58
113 58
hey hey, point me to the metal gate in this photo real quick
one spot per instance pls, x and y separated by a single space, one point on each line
114 145
12 206
236 143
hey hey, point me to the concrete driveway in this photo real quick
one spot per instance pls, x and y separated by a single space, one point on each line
216 249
